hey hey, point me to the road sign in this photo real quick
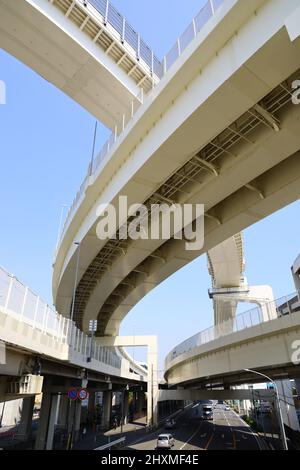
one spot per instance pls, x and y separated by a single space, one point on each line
72 394
82 394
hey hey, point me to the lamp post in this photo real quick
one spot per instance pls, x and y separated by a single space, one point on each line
122 408
93 325
93 150
75 280
281 424
63 207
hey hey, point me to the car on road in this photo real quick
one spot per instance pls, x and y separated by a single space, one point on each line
227 408
165 441
170 424
207 412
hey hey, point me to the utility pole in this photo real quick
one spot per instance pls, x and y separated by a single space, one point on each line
280 419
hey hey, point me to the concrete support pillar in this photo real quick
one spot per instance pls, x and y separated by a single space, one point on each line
287 404
24 428
63 411
152 366
91 403
77 420
140 402
125 399
71 416
107 404
48 415
52 421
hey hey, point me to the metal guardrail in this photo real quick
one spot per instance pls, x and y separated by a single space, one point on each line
15 297
264 313
127 33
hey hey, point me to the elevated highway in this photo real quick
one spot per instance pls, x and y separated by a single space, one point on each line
226 265
220 129
213 357
86 49
31 329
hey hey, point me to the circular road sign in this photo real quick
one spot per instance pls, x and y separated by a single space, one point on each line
82 394
72 394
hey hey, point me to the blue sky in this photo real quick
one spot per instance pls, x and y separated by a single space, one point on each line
45 147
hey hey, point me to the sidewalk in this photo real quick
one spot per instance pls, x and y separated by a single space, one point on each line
132 432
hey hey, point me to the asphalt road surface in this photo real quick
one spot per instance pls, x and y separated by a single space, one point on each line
226 432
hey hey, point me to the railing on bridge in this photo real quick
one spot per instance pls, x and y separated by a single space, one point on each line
15 297
266 312
127 34
159 68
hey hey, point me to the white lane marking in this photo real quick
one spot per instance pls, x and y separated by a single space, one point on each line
193 435
252 432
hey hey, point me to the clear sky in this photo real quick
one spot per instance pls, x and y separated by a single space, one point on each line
45 147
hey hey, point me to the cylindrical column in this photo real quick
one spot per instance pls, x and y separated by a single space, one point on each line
107 402
125 399
47 420
77 420
63 410
140 402
25 425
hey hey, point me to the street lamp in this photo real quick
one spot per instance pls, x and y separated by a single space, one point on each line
281 424
75 280
93 151
93 325
122 409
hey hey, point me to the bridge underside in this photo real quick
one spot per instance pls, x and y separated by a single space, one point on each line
70 48
236 153
268 347
195 395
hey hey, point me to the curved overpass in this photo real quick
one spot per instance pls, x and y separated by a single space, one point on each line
214 356
86 49
29 326
226 137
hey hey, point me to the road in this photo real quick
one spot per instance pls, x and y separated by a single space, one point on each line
226 432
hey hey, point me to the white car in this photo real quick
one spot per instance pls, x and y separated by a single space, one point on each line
165 441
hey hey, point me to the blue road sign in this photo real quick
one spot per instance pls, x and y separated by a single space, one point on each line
72 394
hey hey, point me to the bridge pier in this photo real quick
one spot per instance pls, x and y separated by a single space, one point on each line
151 343
63 410
48 416
25 425
125 405
107 405
139 403
77 420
